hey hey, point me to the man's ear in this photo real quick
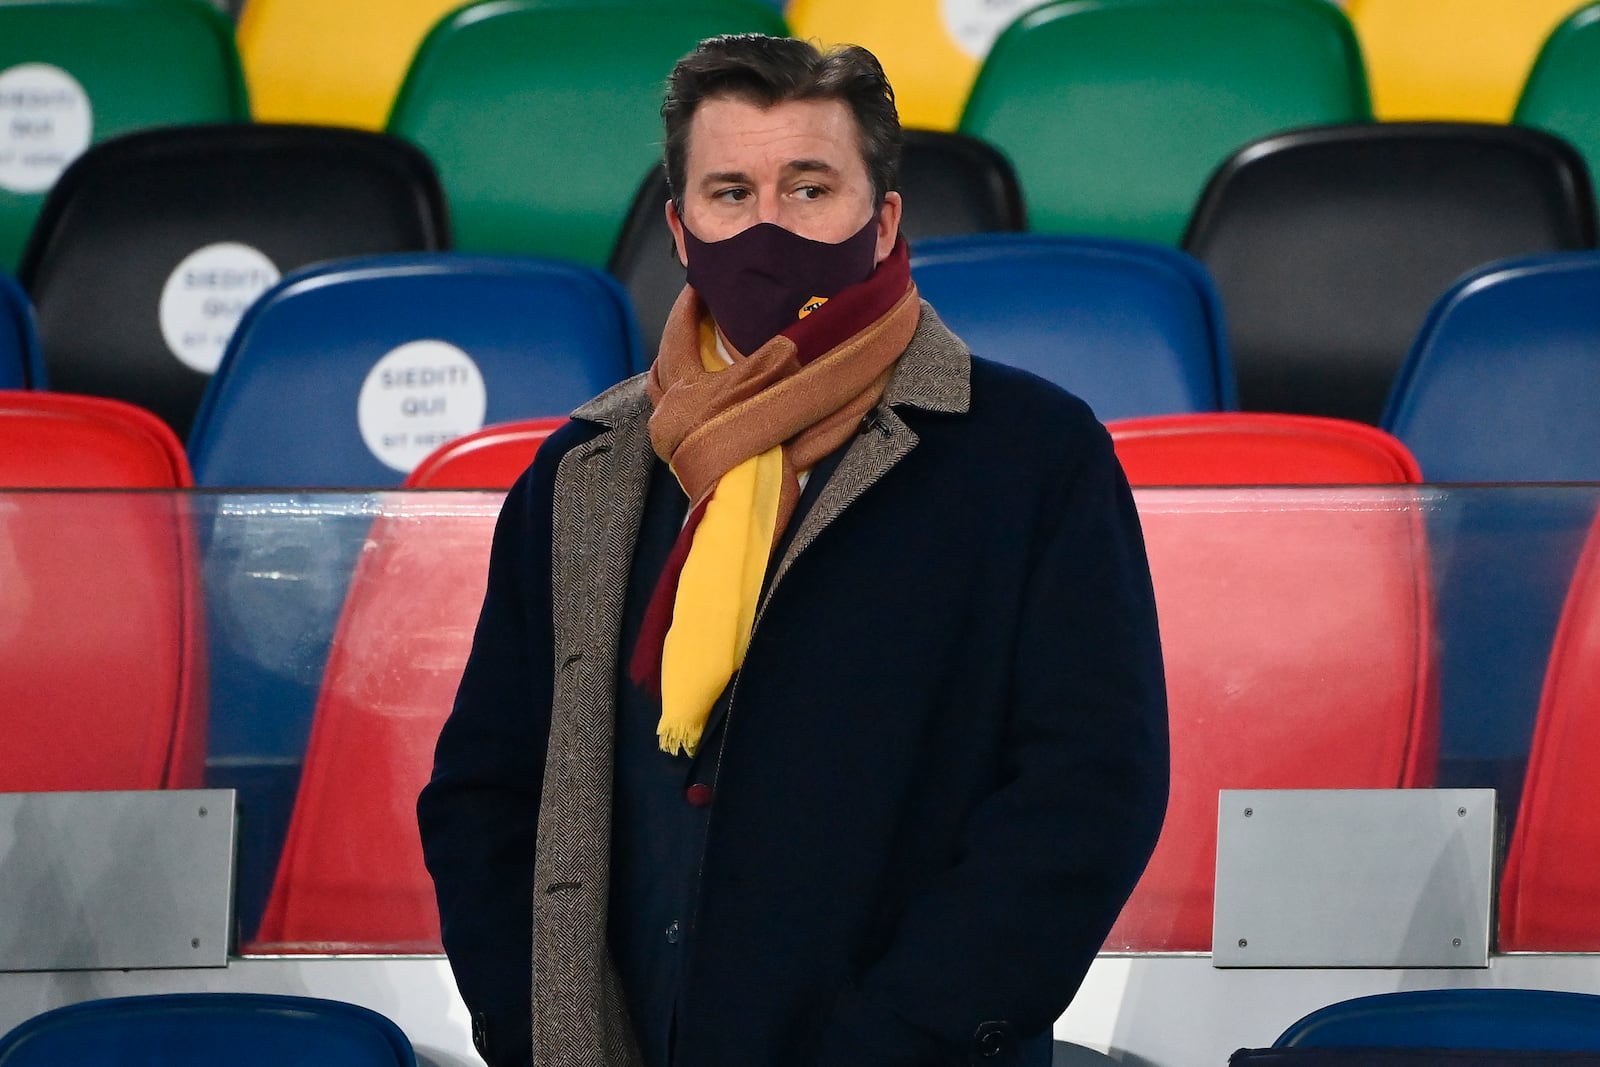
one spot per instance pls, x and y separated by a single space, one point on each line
888 225
675 224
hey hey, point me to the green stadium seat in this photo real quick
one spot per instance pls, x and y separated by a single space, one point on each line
1115 112
1563 91
541 115
72 74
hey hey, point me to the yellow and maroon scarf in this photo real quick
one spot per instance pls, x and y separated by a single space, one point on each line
737 438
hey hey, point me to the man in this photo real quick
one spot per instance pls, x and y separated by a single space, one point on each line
815 714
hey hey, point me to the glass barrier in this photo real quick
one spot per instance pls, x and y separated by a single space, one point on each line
303 648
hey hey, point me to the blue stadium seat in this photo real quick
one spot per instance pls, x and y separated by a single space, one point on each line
1503 385
204 1029
349 373
21 364
1132 328
1453 1019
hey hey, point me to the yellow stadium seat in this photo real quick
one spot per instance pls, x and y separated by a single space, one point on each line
331 62
1452 59
931 49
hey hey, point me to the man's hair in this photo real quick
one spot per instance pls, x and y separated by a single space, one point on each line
772 70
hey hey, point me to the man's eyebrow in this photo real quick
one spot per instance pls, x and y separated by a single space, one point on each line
726 177
810 166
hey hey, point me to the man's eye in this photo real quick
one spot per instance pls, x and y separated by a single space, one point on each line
809 192
734 195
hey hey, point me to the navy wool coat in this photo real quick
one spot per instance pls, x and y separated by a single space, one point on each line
944 763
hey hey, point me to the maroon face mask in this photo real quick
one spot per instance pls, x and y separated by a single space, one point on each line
758 282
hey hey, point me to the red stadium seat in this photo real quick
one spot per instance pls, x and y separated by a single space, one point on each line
101 659
1296 632
1552 871
351 878
1258 448
491 458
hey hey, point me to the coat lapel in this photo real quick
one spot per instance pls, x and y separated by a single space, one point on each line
934 374
599 498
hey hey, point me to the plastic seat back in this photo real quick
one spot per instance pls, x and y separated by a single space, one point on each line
1552 869
931 52
1257 448
204 1029
1466 59
951 184
139 281
94 69
1502 385
492 458
1132 328
350 373
21 362
1114 112
1329 245
102 673
1453 1019
338 64
1295 628
512 98
1565 81
351 878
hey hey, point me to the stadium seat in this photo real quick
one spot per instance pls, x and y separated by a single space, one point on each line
513 98
206 1029
338 64
96 69
931 51
1503 385
1295 628
1458 1018
1114 112
21 362
952 184
101 656
1552 870
1461 59
1132 328
352 878
1328 246
492 458
151 246
1258 448
1561 91
349 373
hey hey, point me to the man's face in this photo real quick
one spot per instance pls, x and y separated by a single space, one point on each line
797 164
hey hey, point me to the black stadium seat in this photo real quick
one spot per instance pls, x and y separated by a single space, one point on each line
151 245
1329 244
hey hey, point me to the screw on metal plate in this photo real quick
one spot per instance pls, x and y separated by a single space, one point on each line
1249 812
1456 941
202 813
1461 813
1244 943
194 942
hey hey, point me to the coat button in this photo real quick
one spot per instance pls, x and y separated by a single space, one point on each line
698 795
674 931
991 1040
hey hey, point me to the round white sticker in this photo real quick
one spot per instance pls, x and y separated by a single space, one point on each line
974 24
205 297
45 122
416 398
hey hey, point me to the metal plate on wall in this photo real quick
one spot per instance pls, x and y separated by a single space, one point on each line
115 880
1354 878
